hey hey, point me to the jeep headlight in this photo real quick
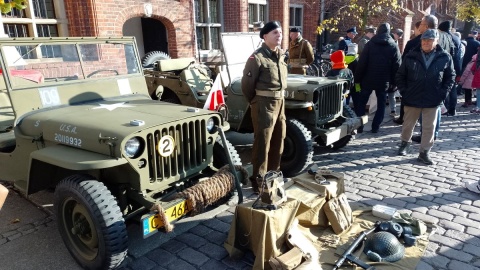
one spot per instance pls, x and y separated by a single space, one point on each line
133 147
210 124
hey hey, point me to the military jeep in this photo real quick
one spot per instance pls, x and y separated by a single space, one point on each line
76 116
314 105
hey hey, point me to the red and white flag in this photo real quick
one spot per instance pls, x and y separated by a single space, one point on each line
215 97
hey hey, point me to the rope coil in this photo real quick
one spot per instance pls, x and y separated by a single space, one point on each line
211 190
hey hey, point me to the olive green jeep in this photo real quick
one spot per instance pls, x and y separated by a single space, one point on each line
314 106
76 116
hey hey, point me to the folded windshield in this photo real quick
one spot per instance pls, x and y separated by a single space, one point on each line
40 64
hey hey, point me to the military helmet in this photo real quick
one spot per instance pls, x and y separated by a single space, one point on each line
383 247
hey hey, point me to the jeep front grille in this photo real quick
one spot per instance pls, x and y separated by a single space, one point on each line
189 154
329 102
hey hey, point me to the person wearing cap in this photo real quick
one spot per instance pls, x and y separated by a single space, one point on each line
339 67
351 33
452 42
376 70
300 52
424 79
369 33
397 34
263 84
471 48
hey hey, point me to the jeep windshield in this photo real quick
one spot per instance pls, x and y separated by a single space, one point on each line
28 63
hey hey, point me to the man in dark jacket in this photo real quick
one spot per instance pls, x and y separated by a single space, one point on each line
427 22
376 70
471 48
451 42
424 79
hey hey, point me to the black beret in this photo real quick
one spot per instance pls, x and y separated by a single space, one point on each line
270 26
295 30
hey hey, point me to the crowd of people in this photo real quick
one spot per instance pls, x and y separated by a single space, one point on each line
435 66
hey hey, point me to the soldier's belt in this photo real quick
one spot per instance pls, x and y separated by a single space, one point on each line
267 93
302 61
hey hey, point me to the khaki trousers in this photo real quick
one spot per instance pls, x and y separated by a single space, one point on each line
268 117
429 121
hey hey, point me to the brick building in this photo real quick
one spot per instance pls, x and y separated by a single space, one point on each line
181 28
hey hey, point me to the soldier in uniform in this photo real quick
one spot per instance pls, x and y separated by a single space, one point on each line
263 84
300 53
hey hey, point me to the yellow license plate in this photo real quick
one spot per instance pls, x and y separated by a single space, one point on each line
152 223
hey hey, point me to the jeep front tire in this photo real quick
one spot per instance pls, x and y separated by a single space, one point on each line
297 149
220 157
90 222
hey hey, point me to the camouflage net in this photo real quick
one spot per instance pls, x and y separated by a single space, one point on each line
211 190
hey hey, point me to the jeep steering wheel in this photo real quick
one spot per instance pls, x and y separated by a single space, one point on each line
102 70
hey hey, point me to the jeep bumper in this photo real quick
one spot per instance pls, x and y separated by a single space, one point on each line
347 128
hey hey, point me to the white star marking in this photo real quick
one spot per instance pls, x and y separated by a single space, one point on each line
112 107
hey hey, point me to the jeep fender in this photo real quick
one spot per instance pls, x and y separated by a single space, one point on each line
49 165
75 159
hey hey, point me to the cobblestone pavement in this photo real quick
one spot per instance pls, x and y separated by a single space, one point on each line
374 175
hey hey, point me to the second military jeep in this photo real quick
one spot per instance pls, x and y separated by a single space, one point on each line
314 106
76 116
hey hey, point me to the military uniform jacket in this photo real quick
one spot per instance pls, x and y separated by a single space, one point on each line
265 70
301 49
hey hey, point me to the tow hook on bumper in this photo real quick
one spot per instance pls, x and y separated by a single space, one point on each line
349 127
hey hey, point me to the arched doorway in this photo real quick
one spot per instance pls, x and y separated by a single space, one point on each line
151 34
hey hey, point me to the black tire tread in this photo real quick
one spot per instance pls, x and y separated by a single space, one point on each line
303 148
220 156
106 212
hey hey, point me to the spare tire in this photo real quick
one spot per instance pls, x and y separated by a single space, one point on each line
150 58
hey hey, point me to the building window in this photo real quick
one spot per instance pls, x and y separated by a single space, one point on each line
207 24
296 15
41 18
257 12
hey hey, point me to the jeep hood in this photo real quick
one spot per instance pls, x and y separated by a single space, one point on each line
84 125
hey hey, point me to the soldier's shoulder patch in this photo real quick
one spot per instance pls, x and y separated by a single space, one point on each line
252 57
249 74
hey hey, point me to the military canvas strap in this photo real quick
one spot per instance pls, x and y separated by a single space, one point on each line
301 49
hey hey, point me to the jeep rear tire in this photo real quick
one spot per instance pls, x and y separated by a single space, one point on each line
150 58
90 223
220 158
297 150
